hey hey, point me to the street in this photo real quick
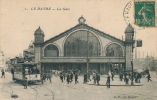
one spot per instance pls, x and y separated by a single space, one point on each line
63 91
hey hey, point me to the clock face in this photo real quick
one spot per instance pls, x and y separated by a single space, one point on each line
82 20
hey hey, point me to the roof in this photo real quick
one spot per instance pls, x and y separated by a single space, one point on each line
129 29
39 31
82 26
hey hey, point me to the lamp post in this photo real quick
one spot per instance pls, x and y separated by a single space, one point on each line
87 51
132 66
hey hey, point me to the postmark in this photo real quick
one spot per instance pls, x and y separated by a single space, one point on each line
144 12
128 15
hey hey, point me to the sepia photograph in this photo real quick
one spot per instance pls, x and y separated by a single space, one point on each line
78 50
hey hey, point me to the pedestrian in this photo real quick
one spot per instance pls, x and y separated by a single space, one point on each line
61 76
68 78
126 80
88 75
98 78
94 78
42 78
64 74
121 76
71 77
124 75
12 72
56 72
49 76
149 77
108 81
85 78
76 78
3 73
25 83
112 75
139 77
136 78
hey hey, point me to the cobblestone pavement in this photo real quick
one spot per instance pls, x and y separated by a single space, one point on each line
63 91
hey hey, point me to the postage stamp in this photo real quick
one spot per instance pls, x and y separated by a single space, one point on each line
144 13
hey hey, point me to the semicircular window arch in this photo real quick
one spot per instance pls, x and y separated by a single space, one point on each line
114 50
76 45
51 51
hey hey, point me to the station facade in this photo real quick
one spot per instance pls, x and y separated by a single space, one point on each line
83 48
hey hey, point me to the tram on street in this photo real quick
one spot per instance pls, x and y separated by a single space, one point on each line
26 70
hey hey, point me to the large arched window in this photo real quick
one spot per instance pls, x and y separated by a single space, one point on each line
51 51
76 44
114 50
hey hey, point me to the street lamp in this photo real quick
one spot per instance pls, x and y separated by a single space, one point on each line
87 51
132 66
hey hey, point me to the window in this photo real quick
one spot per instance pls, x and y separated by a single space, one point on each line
51 51
76 45
114 50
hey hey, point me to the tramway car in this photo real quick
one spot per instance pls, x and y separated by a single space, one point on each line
26 70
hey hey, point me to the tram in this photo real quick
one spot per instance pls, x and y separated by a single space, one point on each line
26 70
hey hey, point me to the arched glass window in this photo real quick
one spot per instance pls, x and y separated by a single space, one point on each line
51 51
76 45
114 50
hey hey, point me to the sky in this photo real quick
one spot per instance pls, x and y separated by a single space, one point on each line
19 20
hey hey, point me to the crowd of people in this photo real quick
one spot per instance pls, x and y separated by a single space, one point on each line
69 75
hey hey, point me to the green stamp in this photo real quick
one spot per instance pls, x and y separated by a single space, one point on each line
145 13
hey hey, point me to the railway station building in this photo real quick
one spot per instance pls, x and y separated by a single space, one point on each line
84 48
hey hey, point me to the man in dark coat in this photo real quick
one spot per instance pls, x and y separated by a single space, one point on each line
68 78
94 78
85 78
76 79
71 77
98 78
61 77
149 77
49 76
42 78
88 77
126 80
112 75
108 81
121 76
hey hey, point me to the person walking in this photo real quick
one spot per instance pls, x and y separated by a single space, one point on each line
94 78
61 76
127 80
121 76
149 77
64 75
98 78
49 76
71 77
112 75
25 83
76 78
85 78
3 73
108 81
88 75
68 78
42 78
139 77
